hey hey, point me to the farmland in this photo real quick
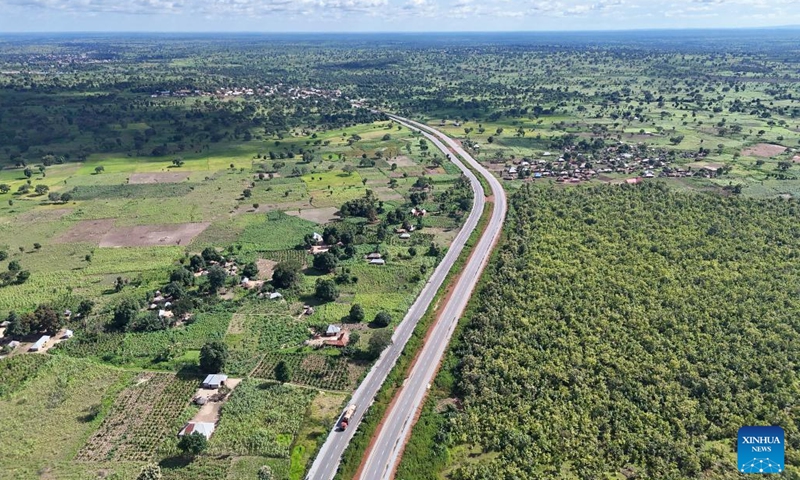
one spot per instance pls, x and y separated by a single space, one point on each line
231 196
153 245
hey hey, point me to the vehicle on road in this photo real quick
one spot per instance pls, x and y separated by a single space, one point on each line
346 416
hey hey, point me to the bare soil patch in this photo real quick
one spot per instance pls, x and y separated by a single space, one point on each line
89 231
403 161
265 268
317 215
763 150
210 411
157 177
153 235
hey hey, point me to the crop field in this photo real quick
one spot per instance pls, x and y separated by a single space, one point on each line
143 415
326 372
260 419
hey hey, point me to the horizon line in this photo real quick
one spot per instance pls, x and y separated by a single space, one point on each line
397 32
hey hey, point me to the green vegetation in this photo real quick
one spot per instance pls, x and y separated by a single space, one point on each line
260 419
609 326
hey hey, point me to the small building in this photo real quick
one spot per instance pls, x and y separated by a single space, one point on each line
341 340
377 261
317 238
13 344
333 330
165 314
68 334
374 256
405 236
275 296
204 428
39 344
215 380
634 181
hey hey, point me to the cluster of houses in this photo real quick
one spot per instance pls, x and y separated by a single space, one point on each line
376 259
265 90
162 303
43 343
572 167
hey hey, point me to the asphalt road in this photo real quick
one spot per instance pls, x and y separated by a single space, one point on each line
392 437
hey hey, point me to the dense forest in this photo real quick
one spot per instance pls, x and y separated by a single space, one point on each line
625 330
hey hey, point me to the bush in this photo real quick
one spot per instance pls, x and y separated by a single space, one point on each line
382 319
193 444
356 313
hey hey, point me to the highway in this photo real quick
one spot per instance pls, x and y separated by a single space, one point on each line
386 451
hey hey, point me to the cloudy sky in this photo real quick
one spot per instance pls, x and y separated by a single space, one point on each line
389 15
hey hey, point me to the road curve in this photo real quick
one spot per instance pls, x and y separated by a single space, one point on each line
327 461
389 444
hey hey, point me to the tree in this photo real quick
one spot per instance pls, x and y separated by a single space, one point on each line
213 356
378 342
382 319
66 197
17 327
250 270
210 254
99 169
174 290
325 262
151 471
119 284
13 266
124 313
356 313
85 307
286 274
283 372
193 444
41 189
326 290
247 193
216 277
3 255
265 473
197 263
23 276
5 188
54 197
182 276
28 172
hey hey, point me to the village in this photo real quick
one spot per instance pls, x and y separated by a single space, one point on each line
572 166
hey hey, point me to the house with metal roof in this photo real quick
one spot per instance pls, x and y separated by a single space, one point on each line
215 380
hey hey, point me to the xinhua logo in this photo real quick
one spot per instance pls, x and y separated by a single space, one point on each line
761 449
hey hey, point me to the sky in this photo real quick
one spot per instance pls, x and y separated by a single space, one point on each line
388 15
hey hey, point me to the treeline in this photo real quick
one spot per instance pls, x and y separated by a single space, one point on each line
624 331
